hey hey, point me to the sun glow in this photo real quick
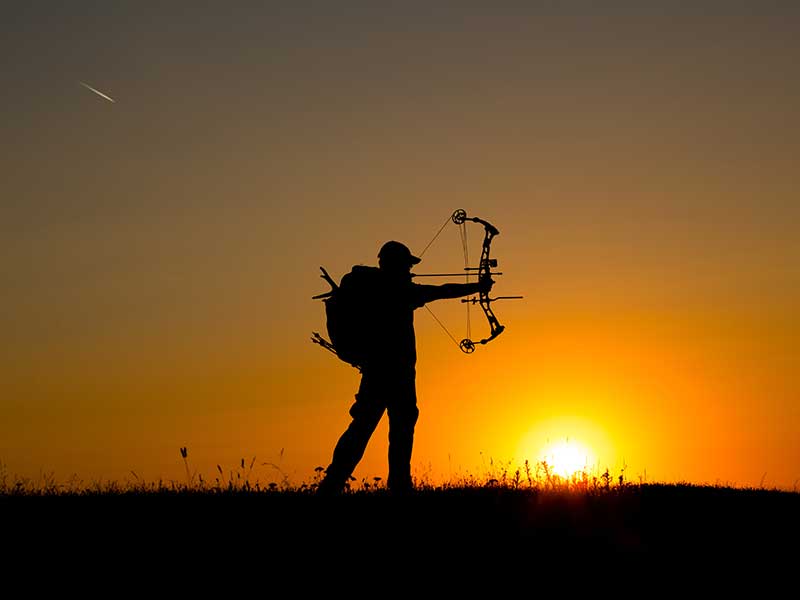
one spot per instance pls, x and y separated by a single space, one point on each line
567 446
565 458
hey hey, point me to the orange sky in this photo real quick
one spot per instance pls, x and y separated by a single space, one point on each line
159 253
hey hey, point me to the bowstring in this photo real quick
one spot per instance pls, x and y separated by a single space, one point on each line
438 233
450 335
465 248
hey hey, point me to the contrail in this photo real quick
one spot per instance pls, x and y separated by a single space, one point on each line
99 93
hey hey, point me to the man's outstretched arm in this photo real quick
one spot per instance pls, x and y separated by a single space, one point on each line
429 293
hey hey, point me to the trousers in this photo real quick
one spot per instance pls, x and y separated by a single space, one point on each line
380 391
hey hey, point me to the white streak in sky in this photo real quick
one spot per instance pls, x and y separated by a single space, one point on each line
99 93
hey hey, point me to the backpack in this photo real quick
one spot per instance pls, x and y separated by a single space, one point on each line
347 310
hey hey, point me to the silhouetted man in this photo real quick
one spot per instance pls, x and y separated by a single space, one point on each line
388 372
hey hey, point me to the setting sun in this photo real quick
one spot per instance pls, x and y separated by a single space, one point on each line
567 457
568 445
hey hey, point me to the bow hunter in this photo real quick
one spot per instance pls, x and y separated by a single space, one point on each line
382 311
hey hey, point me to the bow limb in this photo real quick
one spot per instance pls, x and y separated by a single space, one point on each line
485 266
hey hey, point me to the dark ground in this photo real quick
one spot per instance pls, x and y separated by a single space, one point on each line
481 535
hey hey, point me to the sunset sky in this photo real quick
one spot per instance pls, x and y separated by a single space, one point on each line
158 253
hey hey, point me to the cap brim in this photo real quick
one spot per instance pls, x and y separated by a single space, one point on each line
414 260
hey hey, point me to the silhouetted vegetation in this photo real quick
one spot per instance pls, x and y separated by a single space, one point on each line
525 513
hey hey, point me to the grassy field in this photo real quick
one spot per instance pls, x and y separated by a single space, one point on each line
540 522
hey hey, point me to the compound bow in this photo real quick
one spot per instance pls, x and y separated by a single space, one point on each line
484 272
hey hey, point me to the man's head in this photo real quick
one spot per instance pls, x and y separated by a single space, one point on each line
395 256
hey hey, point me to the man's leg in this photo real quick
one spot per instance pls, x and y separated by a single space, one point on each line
366 413
403 415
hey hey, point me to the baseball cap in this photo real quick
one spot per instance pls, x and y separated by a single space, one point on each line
397 252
